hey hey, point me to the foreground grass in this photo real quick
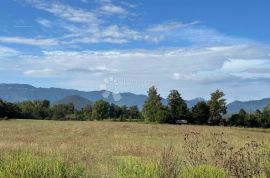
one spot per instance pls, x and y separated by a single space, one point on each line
105 149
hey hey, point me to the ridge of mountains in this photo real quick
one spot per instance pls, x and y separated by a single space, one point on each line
21 92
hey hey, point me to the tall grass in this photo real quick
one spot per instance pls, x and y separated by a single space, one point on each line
24 164
115 149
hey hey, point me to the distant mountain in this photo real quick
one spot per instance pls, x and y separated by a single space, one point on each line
191 103
249 106
22 92
78 101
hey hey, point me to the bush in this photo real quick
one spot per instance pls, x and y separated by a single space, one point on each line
204 171
28 165
134 168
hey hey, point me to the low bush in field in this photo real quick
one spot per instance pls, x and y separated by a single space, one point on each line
204 171
28 165
221 160
250 160
134 168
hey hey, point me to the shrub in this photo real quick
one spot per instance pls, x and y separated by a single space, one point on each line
204 171
28 165
134 168
169 163
246 161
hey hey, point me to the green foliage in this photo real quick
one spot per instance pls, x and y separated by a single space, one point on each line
86 112
27 165
63 111
38 109
100 110
9 110
134 168
200 113
204 171
177 107
217 106
115 111
134 112
153 110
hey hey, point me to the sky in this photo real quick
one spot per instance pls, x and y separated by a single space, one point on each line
193 46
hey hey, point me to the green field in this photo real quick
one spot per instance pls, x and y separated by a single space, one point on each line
106 149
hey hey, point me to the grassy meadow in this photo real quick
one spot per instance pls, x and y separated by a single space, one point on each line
124 149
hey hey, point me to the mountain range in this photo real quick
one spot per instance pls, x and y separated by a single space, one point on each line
21 92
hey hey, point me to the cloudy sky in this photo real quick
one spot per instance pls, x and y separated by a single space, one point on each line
126 45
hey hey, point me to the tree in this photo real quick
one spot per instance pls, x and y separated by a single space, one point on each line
200 113
134 112
37 109
177 107
115 111
238 119
265 120
87 112
63 111
100 110
217 106
152 109
124 113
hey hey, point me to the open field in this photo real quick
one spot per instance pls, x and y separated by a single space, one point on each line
101 146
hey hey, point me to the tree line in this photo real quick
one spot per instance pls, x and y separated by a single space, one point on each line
204 112
43 110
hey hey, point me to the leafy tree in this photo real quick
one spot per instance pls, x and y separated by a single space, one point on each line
177 107
217 106
3 108
100 110
265 120
238 119
63 111
200 113
152 109
134 112
87 112
37 109
115 111
124 113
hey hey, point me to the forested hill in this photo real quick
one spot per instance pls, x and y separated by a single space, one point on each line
21 92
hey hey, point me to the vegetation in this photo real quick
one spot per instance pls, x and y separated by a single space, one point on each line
211 112
24 164
128 149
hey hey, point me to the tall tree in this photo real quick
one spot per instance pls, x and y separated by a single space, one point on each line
100 110
200 113
217 106
152 108
177 106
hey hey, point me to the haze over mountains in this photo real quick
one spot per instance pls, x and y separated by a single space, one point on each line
21 92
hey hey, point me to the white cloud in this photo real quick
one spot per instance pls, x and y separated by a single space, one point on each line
170 26
113 9
30 41
44 22
65 11
6 51
40 72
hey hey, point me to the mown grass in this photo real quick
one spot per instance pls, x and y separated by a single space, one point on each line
114 149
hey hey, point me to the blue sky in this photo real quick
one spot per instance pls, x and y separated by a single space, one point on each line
124 45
